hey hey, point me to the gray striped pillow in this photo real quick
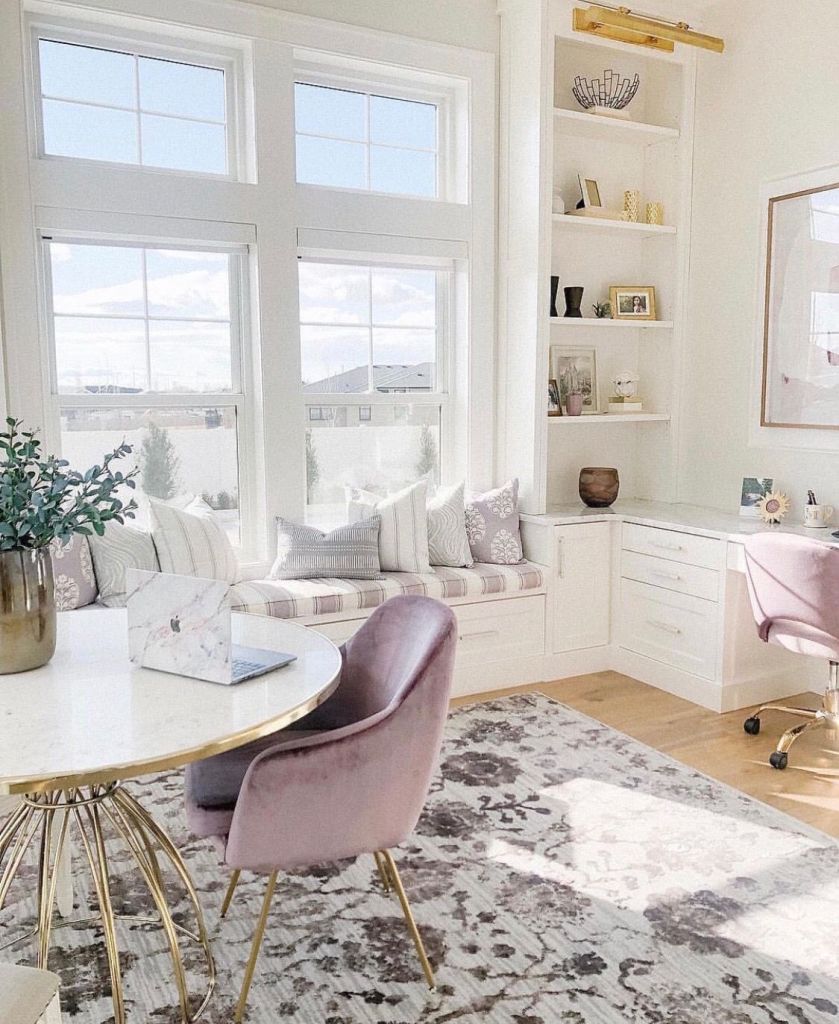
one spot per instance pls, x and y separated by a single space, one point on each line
190 542
306 553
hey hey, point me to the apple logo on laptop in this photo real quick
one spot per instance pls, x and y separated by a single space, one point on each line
175 624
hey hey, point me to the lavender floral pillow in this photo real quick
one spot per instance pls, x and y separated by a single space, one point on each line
492 525
72 567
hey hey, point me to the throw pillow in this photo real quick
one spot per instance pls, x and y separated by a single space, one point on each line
190 542
72 568
448 542
120 548
306 553
403 537
492 524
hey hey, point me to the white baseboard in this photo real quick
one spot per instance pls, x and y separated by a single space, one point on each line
539 668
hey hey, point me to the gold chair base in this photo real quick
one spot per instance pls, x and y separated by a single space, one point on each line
391 882
87 809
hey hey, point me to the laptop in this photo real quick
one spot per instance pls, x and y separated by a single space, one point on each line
183 625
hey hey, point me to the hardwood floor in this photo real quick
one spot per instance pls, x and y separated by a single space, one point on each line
715 744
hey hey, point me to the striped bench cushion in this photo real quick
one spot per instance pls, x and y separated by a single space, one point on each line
291 599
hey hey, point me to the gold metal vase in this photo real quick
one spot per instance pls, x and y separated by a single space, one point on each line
27 609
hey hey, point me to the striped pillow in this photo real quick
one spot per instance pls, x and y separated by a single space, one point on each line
306 553
190 542
403 539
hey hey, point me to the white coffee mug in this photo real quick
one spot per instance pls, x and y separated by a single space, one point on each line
817 516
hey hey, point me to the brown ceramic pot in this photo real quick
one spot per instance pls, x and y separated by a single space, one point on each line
598 486
27 610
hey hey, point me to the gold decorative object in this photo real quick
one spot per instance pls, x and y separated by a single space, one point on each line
773 506
621 24
632 204
655 213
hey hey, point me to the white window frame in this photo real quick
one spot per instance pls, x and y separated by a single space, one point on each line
238 398
370 80
230 61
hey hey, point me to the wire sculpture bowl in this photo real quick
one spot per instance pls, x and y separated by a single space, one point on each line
610 91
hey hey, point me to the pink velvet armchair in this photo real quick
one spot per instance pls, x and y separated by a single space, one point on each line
350 778
794 591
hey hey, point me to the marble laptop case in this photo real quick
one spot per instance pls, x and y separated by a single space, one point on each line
182 624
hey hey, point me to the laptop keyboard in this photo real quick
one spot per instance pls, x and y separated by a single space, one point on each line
242 666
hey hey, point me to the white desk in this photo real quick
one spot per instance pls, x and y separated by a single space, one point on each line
657 591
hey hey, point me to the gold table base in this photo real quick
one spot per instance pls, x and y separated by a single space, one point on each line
86 808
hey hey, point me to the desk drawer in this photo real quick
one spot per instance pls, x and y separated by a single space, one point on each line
677 629
678 547
497 630
679 576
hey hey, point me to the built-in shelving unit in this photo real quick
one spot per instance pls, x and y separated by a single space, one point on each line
548 141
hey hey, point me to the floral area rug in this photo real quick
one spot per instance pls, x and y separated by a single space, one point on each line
562 872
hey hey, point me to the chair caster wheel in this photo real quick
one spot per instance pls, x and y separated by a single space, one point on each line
778 760
752 726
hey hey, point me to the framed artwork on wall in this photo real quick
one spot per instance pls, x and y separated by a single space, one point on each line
800 358
575 370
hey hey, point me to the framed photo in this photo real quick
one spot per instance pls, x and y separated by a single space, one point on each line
590 191
575 369
554 403
754 488
632 301
800 364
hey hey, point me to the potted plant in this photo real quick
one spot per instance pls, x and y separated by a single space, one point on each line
42 499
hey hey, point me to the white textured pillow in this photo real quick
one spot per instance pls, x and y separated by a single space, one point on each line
403 536
190 542
120 548
448 542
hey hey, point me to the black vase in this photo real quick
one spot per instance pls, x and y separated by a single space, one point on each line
573 301
554 290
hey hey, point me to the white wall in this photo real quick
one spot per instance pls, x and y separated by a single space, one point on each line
766 108
471 23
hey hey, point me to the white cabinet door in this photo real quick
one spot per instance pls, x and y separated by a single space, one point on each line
582 587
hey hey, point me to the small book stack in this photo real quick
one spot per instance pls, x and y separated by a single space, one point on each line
623 405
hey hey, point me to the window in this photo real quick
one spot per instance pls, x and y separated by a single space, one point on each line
375 335
146 345
125 107
359 140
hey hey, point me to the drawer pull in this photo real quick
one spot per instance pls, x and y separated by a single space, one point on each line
665 546
666 575
474 636
665 626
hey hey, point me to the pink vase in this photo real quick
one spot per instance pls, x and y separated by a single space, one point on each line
574 404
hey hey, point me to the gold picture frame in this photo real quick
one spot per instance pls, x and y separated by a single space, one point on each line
633 302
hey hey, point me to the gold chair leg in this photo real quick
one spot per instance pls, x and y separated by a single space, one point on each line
393 873
257 943
228 896
791 735
380 864
800 712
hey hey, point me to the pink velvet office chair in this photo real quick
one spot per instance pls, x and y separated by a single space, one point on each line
794 590
352 779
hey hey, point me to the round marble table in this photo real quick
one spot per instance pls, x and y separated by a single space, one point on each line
73 730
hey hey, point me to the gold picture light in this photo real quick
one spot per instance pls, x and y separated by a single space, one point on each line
640 29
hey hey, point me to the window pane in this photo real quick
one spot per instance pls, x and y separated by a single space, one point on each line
336 112
403 123
193 451
96 279
167 87
190 357
327 162
388 451
85 73
404 297
403 171
188 284
333 293
100 356
183 145
90 133
335 359
403 359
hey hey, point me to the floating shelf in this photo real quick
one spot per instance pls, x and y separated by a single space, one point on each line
616 417
596 126
608 324
571 223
